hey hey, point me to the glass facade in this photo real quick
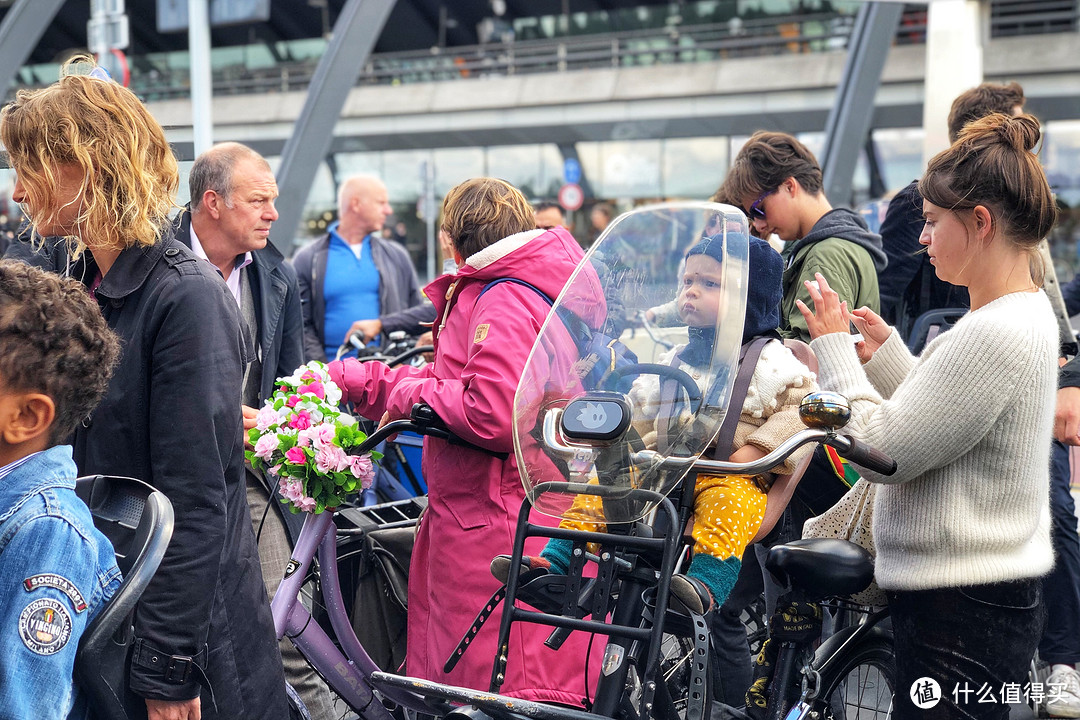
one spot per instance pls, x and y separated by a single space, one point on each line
627 173
632 172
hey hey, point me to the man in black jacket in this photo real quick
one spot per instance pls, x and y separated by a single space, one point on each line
231 212
908 284
353 280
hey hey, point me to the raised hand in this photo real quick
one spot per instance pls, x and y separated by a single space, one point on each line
829 314
873 328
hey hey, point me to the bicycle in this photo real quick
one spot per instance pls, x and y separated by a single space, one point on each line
817 568
636 558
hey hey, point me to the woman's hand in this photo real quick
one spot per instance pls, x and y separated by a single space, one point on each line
874 330
173 709
829 314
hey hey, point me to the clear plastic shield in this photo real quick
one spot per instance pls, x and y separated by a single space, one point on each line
629 379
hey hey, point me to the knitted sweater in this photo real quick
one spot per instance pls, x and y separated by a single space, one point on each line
968 423
770 413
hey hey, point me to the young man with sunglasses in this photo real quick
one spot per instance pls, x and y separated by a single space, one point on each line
779 183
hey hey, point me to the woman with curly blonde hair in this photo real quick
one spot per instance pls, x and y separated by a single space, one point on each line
93 167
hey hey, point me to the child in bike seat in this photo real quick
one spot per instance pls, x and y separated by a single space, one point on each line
728 509
56 570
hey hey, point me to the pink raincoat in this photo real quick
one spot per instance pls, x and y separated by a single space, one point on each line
481 346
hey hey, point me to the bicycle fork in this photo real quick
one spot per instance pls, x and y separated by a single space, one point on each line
348 676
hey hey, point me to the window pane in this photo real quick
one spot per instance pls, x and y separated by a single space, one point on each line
455 166
694 167
518 165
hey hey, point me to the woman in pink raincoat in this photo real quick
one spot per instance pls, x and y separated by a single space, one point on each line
481 346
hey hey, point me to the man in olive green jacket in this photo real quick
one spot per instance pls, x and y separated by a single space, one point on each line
779 183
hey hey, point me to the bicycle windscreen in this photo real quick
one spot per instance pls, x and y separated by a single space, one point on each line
629 379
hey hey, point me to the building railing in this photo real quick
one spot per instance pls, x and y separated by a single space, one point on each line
775 35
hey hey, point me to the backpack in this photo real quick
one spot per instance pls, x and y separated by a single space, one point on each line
602 355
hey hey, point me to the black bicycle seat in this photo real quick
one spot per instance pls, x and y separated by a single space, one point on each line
822 567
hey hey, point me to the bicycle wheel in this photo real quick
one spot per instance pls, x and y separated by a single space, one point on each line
676 654
757 625
863 686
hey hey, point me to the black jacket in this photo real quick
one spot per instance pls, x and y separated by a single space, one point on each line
908 284
402 307
277 301
171 417
281 332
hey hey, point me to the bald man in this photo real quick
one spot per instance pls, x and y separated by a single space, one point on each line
353 280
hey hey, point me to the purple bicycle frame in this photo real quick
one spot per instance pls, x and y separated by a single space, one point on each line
348 674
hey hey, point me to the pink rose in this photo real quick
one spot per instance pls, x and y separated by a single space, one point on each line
292 491
314 387
331 459
292 401
265 418
323 435
301 420
362 469
306 504
266 446
296 456
309 375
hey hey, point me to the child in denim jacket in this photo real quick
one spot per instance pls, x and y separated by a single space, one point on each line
56 570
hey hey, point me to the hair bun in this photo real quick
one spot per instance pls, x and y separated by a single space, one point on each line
1021 131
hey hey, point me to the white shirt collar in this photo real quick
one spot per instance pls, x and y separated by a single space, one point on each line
233 281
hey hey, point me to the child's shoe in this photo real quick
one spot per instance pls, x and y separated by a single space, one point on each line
691 593
500 566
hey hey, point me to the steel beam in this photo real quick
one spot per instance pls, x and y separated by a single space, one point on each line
355 32
22 28
849 120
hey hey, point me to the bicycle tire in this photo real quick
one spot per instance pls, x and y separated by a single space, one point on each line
861 687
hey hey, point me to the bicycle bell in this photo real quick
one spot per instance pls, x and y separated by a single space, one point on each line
825 410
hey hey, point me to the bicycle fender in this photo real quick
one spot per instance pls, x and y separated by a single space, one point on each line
836 648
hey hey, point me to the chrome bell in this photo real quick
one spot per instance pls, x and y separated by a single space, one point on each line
825 410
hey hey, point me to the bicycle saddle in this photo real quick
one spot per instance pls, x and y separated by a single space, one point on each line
822 567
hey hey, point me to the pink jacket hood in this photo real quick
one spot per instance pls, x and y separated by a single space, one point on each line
542 258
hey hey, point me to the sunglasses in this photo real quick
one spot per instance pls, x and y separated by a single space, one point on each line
757 211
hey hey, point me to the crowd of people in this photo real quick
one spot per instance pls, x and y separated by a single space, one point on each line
138 338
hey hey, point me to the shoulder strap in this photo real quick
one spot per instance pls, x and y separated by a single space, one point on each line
748 359
579 330
516 281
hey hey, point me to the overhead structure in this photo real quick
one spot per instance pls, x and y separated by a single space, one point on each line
955 31
852 113
355 33
22 28
202 118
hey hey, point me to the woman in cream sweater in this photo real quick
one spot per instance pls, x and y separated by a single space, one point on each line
963 527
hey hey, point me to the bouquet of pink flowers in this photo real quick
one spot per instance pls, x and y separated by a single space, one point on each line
301 438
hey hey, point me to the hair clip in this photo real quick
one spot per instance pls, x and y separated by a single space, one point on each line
101 74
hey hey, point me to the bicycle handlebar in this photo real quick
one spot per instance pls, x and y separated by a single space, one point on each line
407 355
862 454
422 421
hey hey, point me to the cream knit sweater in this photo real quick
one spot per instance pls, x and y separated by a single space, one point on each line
969 424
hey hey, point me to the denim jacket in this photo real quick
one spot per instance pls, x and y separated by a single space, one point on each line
56 573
